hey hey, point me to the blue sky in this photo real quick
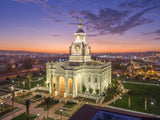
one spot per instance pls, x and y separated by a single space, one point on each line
110 25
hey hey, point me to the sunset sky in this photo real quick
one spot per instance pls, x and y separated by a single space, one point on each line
110 25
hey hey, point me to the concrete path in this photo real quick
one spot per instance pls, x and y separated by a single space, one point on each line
142 83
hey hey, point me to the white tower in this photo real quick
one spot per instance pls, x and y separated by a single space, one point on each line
79 51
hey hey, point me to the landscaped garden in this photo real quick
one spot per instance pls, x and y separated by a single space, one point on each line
69 104
51 104
42 91
141 96
23 117
36 97
21 99
33 84
6 109
85 99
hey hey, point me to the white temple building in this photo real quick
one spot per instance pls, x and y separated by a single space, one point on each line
80 72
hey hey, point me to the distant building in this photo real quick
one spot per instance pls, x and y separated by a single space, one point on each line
79 72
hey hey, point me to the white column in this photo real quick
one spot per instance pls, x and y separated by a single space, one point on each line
66 87
74 87
50 83
55 82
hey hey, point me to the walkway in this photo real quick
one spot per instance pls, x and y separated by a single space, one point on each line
140 83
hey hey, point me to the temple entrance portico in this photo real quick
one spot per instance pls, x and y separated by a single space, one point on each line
64 86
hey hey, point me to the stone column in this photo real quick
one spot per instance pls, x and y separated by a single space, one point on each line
74 87
57 79
55 92
66 87
80 84
50 83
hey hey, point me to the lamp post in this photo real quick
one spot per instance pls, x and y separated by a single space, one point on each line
23 84
120 98
1 106
152 103
61 112
38 116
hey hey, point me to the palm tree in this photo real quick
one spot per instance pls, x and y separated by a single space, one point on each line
27 101
47 101
29 78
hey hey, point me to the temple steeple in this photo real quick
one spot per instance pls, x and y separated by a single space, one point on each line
80 50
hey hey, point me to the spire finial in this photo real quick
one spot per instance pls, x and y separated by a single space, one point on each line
80 20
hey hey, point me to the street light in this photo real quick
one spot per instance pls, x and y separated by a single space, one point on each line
1 106
38 116
152 103
61 112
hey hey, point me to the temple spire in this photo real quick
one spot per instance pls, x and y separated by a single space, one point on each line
80 20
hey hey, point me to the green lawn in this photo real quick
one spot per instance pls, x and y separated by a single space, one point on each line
36 97
86 99
42 91
23 117
33 84
21 99
137 98
69 104
43 105
6 109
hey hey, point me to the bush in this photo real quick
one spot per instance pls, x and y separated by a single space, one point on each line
97 91
90 90
83 88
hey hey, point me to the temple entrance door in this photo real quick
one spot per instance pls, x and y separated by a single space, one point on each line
70 83
61 86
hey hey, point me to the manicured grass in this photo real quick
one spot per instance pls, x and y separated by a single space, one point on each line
43 105
36 97
6 109
69 104
21 99
138 98
42 91
86 99
23 117
33 84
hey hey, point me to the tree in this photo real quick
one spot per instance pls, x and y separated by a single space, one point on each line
47 101
29 79
18 77
27 101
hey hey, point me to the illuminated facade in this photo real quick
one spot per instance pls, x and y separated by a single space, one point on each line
71 77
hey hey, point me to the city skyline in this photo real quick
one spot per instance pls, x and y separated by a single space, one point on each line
49 26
